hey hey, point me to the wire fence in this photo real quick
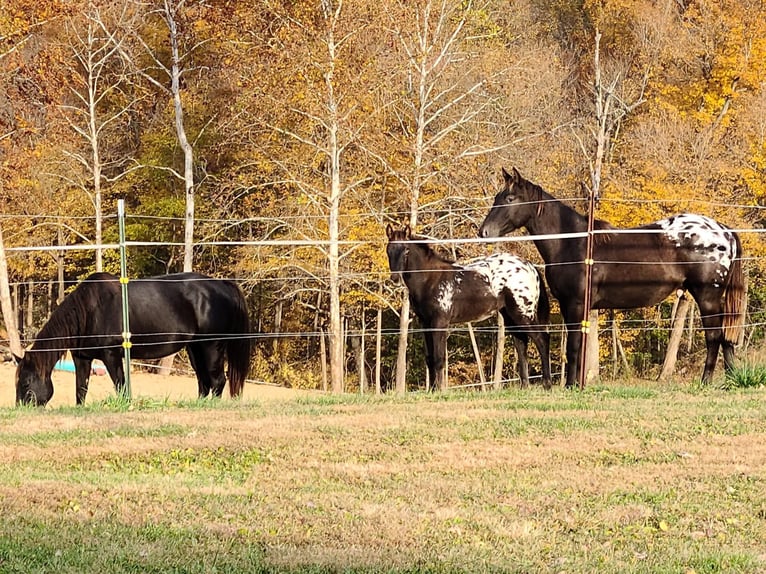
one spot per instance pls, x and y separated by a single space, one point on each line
633 324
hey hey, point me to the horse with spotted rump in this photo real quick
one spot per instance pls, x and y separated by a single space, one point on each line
633 268
443 293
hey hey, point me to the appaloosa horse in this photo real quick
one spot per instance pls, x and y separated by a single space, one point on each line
636 268
442 293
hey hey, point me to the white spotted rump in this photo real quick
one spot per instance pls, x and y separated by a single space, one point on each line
506 271
704 236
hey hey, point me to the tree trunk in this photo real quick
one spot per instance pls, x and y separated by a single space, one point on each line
499 352
676 334
30 319
165 366
17 310
49 303
312 348
378 348
277 328
618 352
615 339
479 365
6 305
333 231
60 268
362 359
401 352
690 341
183 141
323 359
563 354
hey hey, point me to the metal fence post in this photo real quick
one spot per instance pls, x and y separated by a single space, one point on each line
126 344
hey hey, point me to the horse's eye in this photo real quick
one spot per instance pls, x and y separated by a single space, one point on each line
510 198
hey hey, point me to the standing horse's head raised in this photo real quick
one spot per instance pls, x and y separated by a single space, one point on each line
397 249
32 388
513 207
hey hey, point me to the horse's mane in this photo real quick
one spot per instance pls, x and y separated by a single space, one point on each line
69 317
602 238
544 198
429 252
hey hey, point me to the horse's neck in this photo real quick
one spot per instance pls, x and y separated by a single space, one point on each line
557 217
47 349
56 336
420 262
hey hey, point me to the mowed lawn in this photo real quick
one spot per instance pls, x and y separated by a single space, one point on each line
616 478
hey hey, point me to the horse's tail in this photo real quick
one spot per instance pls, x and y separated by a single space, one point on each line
543 303
238 346
735 300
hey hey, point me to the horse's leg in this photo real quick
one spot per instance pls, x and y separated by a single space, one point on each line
542 340
216 370
439 342
428 340
540 337
573 315
113 363
82 376
711 314
521 343
199 363
214 353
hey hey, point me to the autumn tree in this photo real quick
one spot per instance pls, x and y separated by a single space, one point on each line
438 92
102 98
29 83
320 53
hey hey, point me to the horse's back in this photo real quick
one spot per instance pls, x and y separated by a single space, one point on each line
194 302
507 272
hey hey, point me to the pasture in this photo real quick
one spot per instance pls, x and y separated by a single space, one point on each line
633 477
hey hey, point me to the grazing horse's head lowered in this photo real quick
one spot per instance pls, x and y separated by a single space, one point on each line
32 386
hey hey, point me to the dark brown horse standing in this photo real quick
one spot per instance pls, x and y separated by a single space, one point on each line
636 268
443 293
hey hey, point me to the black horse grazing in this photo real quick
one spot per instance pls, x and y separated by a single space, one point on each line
443 293
167 313
634 269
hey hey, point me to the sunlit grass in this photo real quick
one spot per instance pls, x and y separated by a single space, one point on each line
623 478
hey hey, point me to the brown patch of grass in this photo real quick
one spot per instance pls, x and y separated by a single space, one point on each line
540 481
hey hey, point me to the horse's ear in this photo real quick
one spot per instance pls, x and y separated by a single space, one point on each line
516 175
507 176
407 232
389 231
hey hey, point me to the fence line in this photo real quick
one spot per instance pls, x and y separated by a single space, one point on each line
555 328
633 325
483 201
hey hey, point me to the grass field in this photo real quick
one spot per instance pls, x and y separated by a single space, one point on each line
618 478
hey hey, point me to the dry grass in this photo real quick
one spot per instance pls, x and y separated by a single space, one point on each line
621 479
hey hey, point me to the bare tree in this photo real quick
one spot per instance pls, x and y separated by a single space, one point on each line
443 96
170 83
6 303
612 104
317 118
101 100
8 45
